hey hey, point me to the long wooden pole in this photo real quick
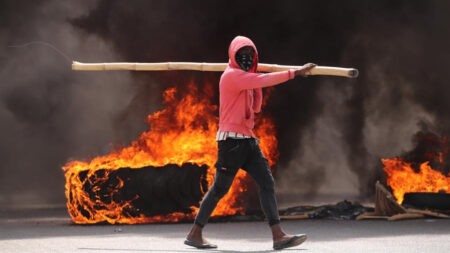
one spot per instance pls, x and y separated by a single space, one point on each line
203 66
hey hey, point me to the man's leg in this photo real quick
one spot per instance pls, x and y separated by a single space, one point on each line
221 185
259 169
231 156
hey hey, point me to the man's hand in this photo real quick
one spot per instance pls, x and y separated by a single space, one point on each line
305 69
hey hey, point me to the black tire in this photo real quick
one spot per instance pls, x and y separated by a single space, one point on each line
438 201
160 190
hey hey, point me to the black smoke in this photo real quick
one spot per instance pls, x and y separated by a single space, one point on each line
332 131
431 148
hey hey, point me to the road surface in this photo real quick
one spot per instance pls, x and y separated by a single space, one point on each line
50 230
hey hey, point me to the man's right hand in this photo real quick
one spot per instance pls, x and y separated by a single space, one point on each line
303 71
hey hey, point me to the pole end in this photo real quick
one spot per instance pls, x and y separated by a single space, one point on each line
74 65
353 73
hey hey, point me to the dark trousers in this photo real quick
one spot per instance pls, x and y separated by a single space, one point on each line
246 154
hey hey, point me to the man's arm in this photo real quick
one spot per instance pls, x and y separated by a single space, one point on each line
257 95
247 80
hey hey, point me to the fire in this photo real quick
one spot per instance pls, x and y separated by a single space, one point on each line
183 132
403 179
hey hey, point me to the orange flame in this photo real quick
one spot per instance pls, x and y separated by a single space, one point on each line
183 132
403 179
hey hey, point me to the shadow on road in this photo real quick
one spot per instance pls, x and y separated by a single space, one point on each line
56 223
193 250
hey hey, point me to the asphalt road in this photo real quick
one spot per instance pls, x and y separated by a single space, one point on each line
50 230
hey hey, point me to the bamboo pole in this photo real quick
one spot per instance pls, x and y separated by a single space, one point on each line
203 66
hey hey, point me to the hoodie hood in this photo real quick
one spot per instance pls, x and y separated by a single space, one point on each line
238 43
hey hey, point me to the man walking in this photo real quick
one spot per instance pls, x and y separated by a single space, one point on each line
240 97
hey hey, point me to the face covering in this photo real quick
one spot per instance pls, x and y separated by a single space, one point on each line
244 61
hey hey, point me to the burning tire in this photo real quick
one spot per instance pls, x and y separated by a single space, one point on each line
115 195
438 201
123 187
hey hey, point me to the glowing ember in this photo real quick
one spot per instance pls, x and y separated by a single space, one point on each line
403 179
183 132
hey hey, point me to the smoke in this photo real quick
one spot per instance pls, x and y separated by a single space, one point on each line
50 114
398 47
402 88
332 131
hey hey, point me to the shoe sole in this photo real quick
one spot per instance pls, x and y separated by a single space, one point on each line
198 245
292 243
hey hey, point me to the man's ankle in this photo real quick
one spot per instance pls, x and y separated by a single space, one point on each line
195 232
277 231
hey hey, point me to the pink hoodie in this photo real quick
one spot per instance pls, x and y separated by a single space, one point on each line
240 91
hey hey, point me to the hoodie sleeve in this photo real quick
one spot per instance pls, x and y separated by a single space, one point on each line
247 80
257 93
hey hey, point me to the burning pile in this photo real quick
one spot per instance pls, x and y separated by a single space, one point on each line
181 137
425 169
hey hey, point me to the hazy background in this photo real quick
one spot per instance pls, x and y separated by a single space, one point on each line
332 131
